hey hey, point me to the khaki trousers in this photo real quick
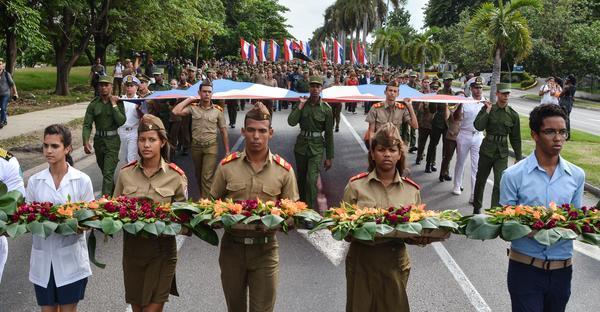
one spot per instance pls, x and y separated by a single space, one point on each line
249 269
205 162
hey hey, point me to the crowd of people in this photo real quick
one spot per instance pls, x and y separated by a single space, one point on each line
146 136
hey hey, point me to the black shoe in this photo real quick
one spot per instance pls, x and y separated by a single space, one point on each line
447 178
428 168
441 179
433 168
418 162
184 152
412 150
476 211
232 126
337 129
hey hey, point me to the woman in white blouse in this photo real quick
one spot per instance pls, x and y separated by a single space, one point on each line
59 265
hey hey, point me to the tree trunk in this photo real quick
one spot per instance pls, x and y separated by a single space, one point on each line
423 67
11 51
100 50
365 25
387 58
62 72
495 75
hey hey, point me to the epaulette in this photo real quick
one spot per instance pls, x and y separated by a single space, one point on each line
129 164
232 156
218 107
280 161
411 182
5 154
359 176
400 105
377 105
176 168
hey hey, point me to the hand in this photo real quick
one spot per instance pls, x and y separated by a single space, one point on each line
302 102
488 106
114 99
15 97
87 148
327 164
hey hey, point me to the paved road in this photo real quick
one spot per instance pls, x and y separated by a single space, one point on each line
457 275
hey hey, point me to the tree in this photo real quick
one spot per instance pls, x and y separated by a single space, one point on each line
390 40
423 49
583 47
443 13
506 29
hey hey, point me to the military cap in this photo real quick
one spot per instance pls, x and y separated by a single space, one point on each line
412 74
388 135
435 78
316 80
105 79
150 122
191 68
143 78
404 75
477 82
210 70
435 83
448 76
158 71
503 87
305 71
259 112
378 73
235 70
131 79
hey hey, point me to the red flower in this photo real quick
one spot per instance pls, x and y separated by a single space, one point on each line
52 217
246 213
31 217
393 218
587 229
551 224
538 225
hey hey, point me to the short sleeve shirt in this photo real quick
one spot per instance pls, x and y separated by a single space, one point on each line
382 113
6 82
205 123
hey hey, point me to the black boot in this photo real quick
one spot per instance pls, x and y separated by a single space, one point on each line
428 168
433 168
418 161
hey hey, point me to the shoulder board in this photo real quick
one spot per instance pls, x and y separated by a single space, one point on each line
280 161
129 164
411 182
359 176
218 107
5 154
229 158
176 168
377 105
399 105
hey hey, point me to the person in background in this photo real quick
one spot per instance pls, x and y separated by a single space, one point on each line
7 87
96 72
567 96
118 78
550 92
128 131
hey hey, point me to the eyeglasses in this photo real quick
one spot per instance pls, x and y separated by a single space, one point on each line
553 132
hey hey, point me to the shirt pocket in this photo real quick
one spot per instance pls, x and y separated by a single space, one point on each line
211 119
166 193
235 186
37 264
271 190
130 189
98 110
72 260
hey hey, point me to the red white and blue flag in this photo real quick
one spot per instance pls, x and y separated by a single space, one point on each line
275 50
338 52
244 49
362 54
352 55
323 52
288 53
306 48
365 59
262 51
253 58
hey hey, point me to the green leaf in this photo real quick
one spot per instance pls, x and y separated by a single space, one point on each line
341 233
200 218
94 224
134 228
68 227
272 221
591 238
566 234
325 223
3 188
16 229
383 229
83 214
185 206
42 229
410 228
160 227
430 223
151 228
513 230
110 226
547 236
3 216
207 234
10 201
251 219
365 232
447 224
309 215
172 229
478 227
2 227
91 244
229 220
213 221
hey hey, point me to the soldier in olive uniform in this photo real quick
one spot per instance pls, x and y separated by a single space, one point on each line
249 260
302 84
424 118
233 105
149 262
108 114
377 272
499 122
315 118
161 109
207 121
438 123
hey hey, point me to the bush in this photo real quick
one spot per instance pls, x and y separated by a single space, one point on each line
527 83
515 77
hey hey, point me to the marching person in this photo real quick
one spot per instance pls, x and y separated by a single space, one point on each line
7 87
377 272
118 78
539 276
149 262
12 176
404 132
159 108
207 121
469 139
128 131
499 121
108 114
336 107
424 119
59 266
249 260
449 146
316 136
439 124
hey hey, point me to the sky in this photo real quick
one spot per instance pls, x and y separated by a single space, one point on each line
306 15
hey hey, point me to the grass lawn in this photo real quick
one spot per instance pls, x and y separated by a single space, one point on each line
583 150
578 102
30 79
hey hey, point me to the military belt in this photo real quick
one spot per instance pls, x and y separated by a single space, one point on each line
100 133
310 134
547 265
496 138
253 240
205 144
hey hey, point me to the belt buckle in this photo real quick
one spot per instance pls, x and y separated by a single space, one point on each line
248 241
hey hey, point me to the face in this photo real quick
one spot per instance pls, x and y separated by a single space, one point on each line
173 84
386 157
425 84
314 89
158 78
54 149
143 86
391 93
105 88
130 88
2 66
502 97
257 134
182 77
149 144
447 83
476 91
205 93
552 135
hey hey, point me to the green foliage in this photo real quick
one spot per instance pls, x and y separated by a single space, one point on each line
423 49
444 13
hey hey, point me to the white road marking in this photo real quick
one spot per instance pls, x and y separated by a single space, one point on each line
355 134
474 297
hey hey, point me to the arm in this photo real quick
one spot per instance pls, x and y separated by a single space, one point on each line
86 188
509 190
371 132
481 120
223 128
296 114
217 189
182 109
578 196
87 123
290 187
413 117
515 137
13 86
181 193
118 111
350 194
458 113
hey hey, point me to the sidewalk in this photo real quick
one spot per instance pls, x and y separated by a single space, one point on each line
39 120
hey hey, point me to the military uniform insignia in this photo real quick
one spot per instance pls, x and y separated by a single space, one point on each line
218 107
129 164
400 105
5 154
176 168
359 176
411 182
230 158
282 162
377 105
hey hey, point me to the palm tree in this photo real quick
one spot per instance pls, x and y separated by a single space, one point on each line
506 28
390 40
421 49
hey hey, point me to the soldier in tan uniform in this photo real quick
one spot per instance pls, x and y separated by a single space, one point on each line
424 117
249 260
449 145
390 111
377 272
207 120
149 262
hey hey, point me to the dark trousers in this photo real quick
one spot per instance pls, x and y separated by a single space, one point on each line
337 110
117 86
368 107
232 108
448 153
535 290
436 135
568 113
3 108
484 167
351 107
423 135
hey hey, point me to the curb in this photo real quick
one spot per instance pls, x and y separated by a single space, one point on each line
522 97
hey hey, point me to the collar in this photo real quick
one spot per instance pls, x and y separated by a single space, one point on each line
164 166
268 161
532 163
373 176
70 175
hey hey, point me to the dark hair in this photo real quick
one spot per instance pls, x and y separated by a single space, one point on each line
571 78
541 112
165 151
400 165
65 136
205 83
392 83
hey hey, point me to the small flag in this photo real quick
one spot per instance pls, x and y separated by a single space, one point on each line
262 51
275 50
338 52
288 52
244 49
323 52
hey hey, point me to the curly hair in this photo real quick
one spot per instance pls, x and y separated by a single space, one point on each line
541 112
